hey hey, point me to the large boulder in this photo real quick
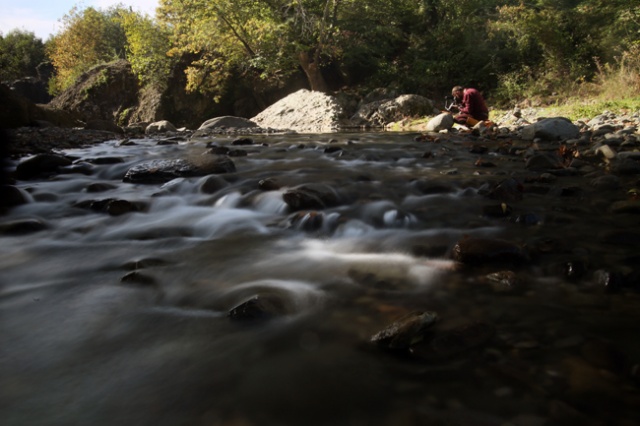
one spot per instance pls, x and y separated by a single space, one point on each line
227 122
31 88
304 111
440 122
103 93
551 129
384 111
161 171
18 111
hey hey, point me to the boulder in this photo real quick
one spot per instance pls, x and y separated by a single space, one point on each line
440 122
385 111
161 171
39 165
161 126
105 125
303 111
32 88
481 251
228 122
544 161
551 129
102 93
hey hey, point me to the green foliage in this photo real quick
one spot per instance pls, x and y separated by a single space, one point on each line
20 53
559 46
510 49
147 47
89 37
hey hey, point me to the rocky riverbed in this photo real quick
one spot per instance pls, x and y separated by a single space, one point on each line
475 276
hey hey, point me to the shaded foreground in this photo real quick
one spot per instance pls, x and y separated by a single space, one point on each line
250 297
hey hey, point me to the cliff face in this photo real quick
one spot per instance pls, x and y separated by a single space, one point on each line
106 92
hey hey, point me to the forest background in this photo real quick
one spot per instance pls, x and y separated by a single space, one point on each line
558 52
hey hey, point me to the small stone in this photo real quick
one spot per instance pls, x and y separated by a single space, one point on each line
136 277
256 308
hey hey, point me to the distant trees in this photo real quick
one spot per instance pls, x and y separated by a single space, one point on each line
20 53
147 44
426 46
89 37
269 37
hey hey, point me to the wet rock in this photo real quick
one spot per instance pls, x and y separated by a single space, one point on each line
100 187
626 206
609 281
227 122
22 227
243 141
40 165
136 277
212 184
440 122
551 129
332 149
161 126
621 238
406 331
216 150
307 221
104 160
268 184
257 308
11 196
544 161
111 206
106 125
626 167
606 152
147 262
161 171
480 251
507 190
603 354
606 182
458 341
574 270
497 210
502 281
310 197
78 167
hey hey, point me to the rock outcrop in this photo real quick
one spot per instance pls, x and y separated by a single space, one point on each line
106 92
381 112
303 111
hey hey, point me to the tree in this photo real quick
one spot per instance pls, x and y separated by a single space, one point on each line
147 46
20 53
271 37
89 37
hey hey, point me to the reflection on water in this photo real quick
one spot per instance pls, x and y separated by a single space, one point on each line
122 319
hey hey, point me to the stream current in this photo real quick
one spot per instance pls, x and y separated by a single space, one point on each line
83 343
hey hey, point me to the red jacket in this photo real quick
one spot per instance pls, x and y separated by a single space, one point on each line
473 104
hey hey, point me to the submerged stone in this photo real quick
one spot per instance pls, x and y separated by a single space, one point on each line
406 331
41 164
161 171
257 308
479 251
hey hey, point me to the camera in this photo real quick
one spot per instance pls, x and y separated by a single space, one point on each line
450 102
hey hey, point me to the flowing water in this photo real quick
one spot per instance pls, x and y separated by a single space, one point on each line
123 319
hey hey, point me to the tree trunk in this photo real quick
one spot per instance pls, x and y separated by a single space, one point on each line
310 67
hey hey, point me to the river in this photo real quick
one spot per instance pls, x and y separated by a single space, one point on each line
124 318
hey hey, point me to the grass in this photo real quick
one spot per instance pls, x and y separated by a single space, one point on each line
576 109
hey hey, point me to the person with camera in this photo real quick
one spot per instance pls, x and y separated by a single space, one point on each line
470 104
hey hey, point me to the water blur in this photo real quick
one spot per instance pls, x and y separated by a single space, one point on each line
122 319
